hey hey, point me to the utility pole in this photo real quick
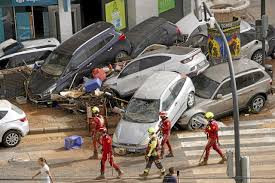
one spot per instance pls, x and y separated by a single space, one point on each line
263 37
238 174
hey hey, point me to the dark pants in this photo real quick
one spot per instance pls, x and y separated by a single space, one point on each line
151 160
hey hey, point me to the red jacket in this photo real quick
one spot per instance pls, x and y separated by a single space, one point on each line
106 142
165 126
212 130
98 122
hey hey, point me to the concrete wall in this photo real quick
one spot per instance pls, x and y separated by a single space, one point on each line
140 10
270 6
65 20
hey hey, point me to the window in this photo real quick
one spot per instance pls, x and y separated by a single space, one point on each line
225 88
3 114
130 69
258 76
152 61
169 98
244 81
27 58
92 49
80 57
176 88
158 36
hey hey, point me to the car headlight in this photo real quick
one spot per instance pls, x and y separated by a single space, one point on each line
49 90
144 142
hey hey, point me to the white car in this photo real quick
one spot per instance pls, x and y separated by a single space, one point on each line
163 91
13 124
190 61
32 51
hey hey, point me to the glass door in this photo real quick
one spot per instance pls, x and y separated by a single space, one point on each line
24 23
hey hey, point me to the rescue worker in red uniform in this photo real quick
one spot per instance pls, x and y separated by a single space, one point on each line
165 128
107 154
96 123
211 131
152 155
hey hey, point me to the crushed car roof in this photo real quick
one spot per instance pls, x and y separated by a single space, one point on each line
221 71
70 45
160 80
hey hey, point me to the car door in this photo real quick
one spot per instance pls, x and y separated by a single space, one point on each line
128 80
149 65
247 86
223 105
180 103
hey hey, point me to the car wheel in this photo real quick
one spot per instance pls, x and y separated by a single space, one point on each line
257 56
122 55
196 122
273 54
11 138
191 100
257 104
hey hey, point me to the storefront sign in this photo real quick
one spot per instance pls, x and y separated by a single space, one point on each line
33 2
216 46
115 14
165 5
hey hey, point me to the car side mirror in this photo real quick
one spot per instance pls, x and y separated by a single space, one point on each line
219 96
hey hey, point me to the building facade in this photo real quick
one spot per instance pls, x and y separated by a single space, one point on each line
34 19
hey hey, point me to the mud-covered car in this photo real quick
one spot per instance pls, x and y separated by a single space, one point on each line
94 46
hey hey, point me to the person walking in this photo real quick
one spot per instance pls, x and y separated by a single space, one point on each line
107 154
170 177
152 155
96 123
165 128
44 171
211 131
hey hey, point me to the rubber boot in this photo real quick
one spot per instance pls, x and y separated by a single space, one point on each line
222 160
100 177
162 172
120 173
203 163
145 174
169 155
95 155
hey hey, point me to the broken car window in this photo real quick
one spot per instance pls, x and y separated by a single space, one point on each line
142 111
204 86
130 69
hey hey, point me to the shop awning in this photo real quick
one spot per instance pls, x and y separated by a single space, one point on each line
5 3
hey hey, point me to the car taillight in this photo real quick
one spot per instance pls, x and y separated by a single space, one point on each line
122 37
270 81
178 31
23 119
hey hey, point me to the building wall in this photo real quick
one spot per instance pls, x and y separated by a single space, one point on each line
270 5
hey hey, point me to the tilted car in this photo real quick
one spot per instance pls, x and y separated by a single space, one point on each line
190 61
196 35
31 51
154 30
163 91
13 124
94 46
271 41
213 91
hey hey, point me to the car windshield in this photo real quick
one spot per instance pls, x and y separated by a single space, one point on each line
204 86
56 63
142 111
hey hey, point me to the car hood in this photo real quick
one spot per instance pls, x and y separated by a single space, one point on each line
132 133
40 82
111 81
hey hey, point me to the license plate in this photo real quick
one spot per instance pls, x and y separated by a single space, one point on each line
131 150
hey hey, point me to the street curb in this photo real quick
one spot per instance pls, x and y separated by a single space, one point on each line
35 131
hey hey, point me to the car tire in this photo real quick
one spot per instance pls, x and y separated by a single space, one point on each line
193 124
256 104
191 100
273 54
120 56
11 138
257 57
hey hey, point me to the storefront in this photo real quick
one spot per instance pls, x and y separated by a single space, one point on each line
24 19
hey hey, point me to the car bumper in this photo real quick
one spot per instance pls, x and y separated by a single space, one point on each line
130 148
25 129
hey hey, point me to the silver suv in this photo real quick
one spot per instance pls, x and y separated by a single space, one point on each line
213 91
